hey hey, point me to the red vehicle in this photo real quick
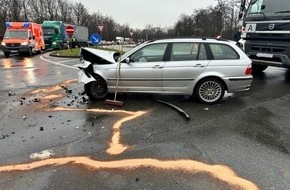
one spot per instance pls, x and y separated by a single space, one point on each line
23 37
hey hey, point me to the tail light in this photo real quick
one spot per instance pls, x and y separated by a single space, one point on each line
249 70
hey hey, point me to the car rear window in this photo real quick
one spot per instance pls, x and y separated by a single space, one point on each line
223 51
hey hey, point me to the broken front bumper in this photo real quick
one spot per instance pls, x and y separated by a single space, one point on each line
84 77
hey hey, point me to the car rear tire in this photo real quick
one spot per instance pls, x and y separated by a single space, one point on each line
97 89
209 90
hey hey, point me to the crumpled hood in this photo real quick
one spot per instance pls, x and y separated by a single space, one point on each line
97 56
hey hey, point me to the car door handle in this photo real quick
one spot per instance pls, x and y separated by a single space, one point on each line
157 67
199 65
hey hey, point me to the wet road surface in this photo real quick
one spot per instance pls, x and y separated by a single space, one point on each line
53 137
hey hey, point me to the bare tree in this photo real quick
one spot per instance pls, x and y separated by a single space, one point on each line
14 10
80 14
37 14
185 26
3 16
49 7
65 10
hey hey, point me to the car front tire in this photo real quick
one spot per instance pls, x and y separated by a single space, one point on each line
210 91
7 54
30 52
97 90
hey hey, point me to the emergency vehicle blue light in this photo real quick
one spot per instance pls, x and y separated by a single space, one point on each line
8 24
26 24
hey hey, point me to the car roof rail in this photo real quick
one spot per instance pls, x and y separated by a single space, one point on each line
189 37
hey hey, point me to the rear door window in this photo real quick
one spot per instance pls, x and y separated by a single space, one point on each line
184 51
223 51
188 51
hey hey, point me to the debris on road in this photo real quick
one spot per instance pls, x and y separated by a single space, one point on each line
36 100
11 94
4 136
175 107
66 89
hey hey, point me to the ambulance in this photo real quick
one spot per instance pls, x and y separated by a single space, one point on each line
23 38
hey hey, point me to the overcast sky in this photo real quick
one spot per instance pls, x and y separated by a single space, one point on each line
139 13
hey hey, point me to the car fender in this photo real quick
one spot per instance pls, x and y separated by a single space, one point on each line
85 77
209 75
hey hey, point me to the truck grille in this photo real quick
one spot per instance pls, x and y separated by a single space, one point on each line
13 45
267 49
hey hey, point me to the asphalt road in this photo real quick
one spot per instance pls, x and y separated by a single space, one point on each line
53 137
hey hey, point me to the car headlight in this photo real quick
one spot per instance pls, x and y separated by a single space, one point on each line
54 43
3 43
24 44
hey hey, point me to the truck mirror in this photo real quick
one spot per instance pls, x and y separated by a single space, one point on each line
253 2
263 7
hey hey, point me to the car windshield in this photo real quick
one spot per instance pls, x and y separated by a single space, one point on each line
268 9
23 34
48 31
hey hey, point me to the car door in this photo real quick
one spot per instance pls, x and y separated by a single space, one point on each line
144 70
187 61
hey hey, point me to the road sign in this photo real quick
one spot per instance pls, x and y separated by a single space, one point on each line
69 30
101 27
95 39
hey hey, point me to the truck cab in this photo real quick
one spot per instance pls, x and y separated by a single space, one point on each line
54 35
22 37
266 35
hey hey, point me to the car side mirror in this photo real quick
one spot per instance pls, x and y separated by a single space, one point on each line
126 60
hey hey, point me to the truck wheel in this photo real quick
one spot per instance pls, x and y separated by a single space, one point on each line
39 51
258 68
209 90
97 89
7 54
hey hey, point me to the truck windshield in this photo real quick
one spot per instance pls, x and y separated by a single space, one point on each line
48 31
268 9
23 34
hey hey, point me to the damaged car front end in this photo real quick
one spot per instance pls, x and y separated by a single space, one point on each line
93 62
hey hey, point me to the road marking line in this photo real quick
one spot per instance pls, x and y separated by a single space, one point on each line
57 63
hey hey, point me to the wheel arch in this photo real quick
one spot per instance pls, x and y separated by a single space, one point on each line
88 87
208 77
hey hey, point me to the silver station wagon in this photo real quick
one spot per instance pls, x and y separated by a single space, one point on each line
203 67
